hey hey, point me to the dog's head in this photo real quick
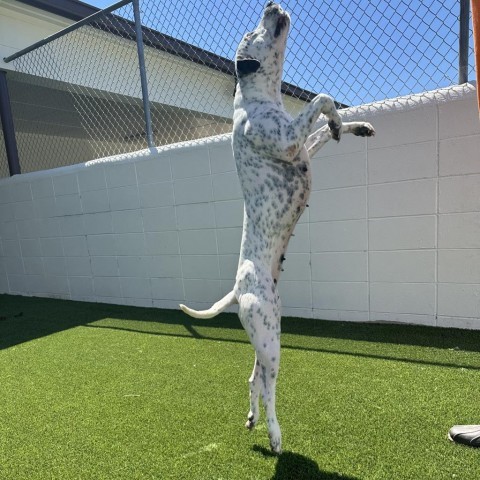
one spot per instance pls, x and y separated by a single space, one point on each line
263 49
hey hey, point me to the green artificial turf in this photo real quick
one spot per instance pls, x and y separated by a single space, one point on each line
91 391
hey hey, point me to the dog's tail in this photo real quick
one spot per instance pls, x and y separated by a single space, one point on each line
215 309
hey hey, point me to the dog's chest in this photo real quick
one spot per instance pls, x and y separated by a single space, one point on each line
275 192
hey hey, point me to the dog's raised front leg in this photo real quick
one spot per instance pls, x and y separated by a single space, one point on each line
284 138
309 115
320 137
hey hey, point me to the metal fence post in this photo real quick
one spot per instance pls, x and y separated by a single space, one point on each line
463 41
8 126
143 73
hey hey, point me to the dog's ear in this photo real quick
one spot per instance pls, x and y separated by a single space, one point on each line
244 66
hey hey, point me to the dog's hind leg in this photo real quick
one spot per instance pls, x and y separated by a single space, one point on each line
261 319
259 313
254 383
269 365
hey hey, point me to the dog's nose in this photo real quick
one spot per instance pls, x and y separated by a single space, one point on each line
273 7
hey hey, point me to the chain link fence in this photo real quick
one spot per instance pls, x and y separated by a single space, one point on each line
358 51
79 96
3 155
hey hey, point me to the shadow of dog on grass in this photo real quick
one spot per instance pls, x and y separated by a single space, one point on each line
293 466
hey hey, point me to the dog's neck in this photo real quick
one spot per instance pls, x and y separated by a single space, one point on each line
249 91
264 85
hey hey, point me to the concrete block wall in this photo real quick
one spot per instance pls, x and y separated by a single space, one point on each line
392 232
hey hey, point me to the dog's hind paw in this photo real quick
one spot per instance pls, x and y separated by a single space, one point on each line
364 130
250 425
276 445
251 422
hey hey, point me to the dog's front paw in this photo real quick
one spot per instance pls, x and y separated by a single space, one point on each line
364 130
336 129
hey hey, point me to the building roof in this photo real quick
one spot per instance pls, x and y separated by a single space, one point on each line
71 9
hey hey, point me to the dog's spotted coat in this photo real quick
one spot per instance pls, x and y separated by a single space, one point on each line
272 153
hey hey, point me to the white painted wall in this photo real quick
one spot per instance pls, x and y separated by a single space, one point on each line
22 25
392 232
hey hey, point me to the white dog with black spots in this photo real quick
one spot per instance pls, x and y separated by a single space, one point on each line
272 153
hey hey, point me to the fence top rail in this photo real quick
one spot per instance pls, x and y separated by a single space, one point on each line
66 30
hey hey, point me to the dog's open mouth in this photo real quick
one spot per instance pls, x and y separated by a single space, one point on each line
282 22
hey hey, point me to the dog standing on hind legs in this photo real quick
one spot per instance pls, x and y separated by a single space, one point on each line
272 152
